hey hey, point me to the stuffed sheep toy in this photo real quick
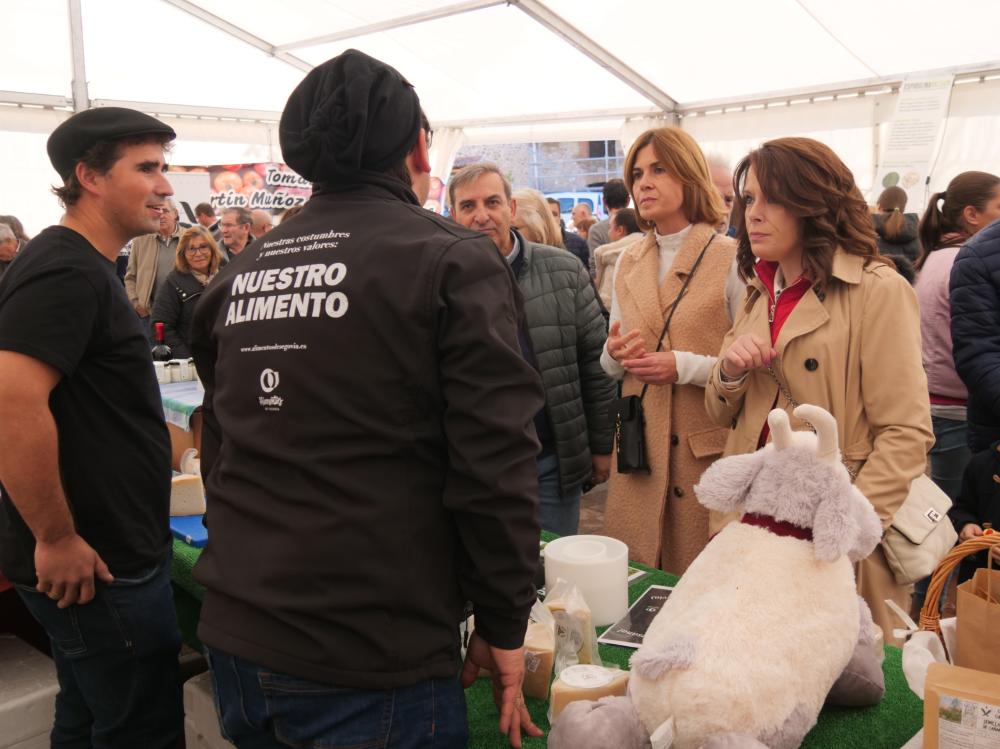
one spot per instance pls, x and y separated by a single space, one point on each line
766 619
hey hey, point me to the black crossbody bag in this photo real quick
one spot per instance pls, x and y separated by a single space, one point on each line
626 413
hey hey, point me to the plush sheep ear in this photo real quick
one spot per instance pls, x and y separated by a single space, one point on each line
724 485
781 429
835 525
826 430
869 527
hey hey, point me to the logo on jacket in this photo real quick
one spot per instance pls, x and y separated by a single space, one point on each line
269 380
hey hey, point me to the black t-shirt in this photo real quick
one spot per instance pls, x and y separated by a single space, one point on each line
62 304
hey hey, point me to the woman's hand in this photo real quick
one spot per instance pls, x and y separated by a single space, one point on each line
659 368
628 346
745 353
970 530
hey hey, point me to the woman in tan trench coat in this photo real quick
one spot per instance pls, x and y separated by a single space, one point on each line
657 515
824 322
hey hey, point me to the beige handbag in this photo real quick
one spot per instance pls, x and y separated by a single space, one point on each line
921 533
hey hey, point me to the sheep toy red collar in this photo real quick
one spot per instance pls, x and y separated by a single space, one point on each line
746 649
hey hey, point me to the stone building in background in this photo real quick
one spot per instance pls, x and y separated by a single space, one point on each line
551 167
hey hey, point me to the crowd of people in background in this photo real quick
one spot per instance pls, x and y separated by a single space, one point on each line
715 293
165 273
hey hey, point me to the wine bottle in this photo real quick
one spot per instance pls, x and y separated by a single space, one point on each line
161 351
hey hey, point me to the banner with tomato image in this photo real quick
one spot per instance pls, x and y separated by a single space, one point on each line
270 186
273 187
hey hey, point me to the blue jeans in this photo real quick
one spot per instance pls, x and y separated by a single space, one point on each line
950 454
116 660
949 457
261 709
557 512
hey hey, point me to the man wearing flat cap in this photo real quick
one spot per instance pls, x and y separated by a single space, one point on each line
368 446
84 452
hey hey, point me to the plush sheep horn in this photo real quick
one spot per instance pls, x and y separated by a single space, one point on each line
826 430
781 431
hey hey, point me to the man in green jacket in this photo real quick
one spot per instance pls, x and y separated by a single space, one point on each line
566 332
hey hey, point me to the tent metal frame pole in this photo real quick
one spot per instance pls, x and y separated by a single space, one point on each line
81 95
543 119
239 33
392 23
47 101
193 112
562 28
869 86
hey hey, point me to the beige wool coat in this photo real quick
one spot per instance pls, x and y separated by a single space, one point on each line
604 259
657 515
853 349
140 274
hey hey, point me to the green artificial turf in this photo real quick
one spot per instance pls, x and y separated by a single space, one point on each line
888 725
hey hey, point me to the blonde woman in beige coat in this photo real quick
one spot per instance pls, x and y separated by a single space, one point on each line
657 514
825 322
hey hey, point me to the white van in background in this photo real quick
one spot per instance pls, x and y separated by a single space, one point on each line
569 199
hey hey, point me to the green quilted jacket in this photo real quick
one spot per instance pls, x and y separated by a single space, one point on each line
567 332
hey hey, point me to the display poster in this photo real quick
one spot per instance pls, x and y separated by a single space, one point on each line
921 109
630 630
270 186
190 189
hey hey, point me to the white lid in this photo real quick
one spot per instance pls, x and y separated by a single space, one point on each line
586 549
587 677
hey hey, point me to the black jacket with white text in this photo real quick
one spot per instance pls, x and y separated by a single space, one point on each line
368 448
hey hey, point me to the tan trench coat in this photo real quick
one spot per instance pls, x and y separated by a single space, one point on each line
658 515
854 350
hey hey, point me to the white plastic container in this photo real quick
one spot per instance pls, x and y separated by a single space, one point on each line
162 373
28 688
598 566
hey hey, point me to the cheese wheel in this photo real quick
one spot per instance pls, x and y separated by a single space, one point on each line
187 495
539 655
586 683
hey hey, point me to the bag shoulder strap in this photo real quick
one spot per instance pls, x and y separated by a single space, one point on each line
677 301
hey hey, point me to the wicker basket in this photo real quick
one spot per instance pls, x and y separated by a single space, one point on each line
930 614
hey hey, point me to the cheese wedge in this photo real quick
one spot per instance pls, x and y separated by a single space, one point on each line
187 495
574 630
539 655
586 683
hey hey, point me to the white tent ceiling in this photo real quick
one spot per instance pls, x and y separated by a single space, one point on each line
498 71
487 61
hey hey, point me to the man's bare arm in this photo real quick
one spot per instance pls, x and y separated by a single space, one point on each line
29 469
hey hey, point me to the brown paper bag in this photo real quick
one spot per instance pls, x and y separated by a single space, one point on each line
978 624
961 708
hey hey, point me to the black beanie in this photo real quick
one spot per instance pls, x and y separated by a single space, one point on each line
349 114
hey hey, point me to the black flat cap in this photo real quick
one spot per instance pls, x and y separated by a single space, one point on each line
70 141
351 113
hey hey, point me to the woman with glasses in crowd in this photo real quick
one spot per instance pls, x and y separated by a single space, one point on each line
198 260
826 321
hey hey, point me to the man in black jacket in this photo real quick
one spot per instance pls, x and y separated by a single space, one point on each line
572 242
368 446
